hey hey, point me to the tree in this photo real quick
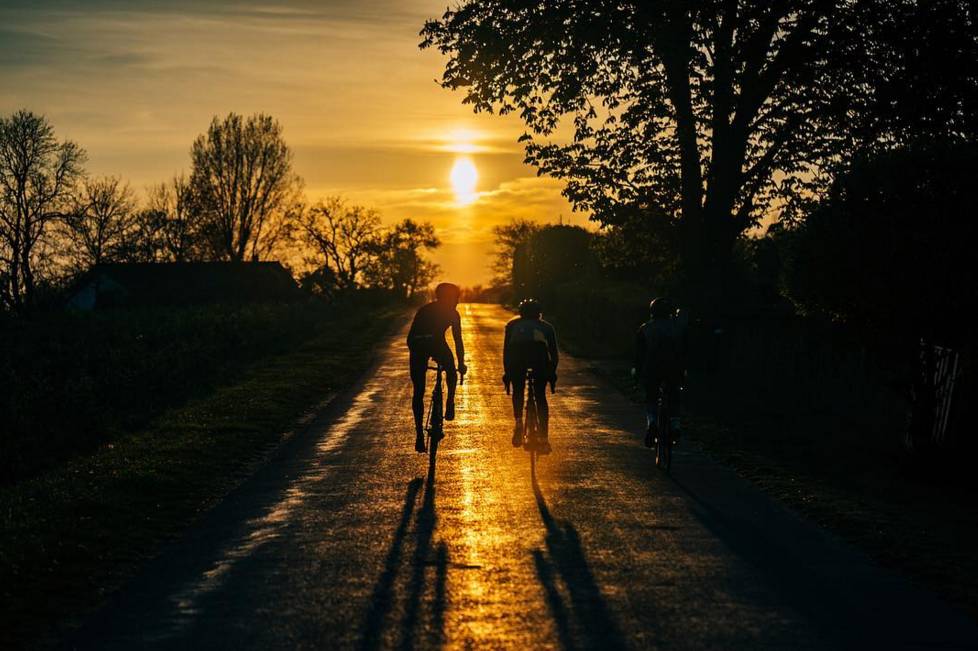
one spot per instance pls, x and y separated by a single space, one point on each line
398 263
554 254
37 177
102 223
710 112
342 237
170 226
242 178
508 237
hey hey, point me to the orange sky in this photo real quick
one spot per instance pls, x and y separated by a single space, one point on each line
135 82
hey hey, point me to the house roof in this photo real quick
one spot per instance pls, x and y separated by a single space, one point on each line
183 283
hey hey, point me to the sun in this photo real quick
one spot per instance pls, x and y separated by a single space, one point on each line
464 177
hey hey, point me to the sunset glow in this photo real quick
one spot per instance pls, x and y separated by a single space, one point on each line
464 177
361 113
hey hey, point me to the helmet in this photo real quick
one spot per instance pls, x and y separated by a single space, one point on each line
448 292
530 308
661 307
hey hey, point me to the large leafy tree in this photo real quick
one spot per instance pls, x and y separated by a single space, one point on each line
708 113
508 237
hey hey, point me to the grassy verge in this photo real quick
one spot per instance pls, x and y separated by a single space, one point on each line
77 381
921 525
73 534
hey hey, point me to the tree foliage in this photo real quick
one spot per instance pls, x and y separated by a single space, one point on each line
711 112
507 238
37 177
552 255
916 76
890 249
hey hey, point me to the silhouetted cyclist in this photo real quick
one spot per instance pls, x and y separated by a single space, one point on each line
426 340
660 363
530 344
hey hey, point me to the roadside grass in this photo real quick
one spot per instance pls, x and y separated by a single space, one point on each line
74 534
917 523
74 382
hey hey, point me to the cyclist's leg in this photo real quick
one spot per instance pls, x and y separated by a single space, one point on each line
518 386
543 409
652 385
419 367
673 392
443 355
543 413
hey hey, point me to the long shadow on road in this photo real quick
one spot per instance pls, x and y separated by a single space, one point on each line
587 615
412 631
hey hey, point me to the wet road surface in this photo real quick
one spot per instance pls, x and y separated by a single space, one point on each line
345 540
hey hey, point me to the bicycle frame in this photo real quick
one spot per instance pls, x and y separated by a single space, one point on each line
663 448
531 424
435 424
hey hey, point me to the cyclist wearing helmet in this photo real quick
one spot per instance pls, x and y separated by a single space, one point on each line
530 343
426 340
660 362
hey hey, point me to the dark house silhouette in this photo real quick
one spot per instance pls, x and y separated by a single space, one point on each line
182 283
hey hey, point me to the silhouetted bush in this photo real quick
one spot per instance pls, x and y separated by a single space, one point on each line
892 249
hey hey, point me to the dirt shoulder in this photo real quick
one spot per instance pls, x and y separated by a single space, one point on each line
918 524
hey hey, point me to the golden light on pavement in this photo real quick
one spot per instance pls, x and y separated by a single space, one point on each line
464 177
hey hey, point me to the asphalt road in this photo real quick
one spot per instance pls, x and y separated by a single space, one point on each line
344 540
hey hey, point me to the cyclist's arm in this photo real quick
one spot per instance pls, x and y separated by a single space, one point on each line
552 346
457 335
414 327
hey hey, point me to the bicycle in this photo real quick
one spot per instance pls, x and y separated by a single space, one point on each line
664 442
435 423
532 425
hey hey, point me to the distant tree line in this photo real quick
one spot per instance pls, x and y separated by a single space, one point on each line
348 248
242 201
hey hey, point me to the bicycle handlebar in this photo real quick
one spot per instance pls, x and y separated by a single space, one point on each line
439 368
